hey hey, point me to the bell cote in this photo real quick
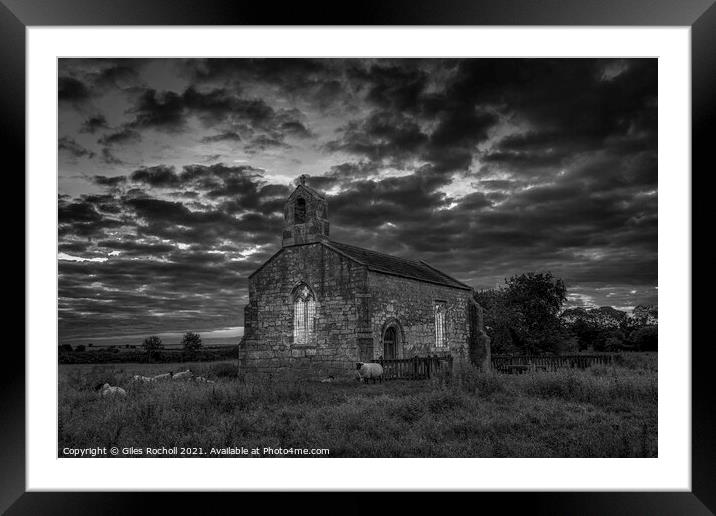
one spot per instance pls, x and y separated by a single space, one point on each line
305 216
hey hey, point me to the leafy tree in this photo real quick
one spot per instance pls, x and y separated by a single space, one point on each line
608 329
153 346
498 319
612 341
523 315
191 341
538 299
65 347
598 329
644 315
582 325
646 338
609 317
79 347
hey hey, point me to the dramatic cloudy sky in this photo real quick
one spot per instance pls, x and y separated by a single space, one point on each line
173 173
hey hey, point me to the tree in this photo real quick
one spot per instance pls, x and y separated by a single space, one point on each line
79 347
609 317
537 298
523 315
646 338
645 315
498 319
599 329
66 347
191 342
153 346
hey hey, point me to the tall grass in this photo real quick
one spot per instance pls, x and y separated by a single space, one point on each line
599 412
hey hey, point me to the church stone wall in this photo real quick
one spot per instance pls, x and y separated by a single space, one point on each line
338 284
411 303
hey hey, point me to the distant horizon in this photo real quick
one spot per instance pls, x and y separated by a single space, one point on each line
228 336
171 338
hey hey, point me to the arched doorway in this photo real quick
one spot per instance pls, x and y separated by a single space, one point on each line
392 340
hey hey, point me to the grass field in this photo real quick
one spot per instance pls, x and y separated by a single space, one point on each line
598 412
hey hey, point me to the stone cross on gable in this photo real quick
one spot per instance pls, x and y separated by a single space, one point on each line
302 179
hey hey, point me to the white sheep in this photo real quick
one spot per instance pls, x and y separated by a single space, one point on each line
109 390
182 375
369 371
164 376
201 379
140 378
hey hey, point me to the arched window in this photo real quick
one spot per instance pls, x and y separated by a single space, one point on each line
299 212
440 341
304 313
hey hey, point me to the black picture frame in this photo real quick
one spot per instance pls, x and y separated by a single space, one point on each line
17 15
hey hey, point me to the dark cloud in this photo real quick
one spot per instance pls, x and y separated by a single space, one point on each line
231 136
263 142
294 128
73 148
94 123
121 137
161 175
110 181
117 75
398 86
108 157
382 137
72 90
410 121
162 110
169 110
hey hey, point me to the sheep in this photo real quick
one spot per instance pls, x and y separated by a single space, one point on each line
201 379
369 371
328 380
108 390
140 378
162 376
182 374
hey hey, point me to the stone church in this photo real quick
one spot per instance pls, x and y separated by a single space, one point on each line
322 305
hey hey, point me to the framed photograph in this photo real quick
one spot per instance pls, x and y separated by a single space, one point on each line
429 248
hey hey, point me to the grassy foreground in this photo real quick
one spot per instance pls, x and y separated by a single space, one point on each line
598 412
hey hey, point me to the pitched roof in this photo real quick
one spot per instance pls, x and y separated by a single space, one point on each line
308 189
381 262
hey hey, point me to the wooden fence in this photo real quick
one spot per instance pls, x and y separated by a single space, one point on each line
524 363
416 368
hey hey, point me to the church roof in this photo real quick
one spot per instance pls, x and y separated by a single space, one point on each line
389 264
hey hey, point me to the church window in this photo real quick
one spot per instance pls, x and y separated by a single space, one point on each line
299 214
304 313
440 341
